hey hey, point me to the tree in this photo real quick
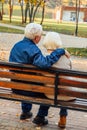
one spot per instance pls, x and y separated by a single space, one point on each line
43 11
2 11
22 9
77 16
32 6
11 3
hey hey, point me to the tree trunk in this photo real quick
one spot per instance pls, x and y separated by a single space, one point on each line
2 12
36 10
10 10
43 14
0 15
22 10
77 16
26 10
22 14
31 14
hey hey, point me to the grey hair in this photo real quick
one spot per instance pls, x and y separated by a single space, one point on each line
52 41
32 30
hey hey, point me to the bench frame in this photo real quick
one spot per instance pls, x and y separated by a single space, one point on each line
50 80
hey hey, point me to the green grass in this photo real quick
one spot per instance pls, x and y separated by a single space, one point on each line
82 52
64 29
68 29
10 30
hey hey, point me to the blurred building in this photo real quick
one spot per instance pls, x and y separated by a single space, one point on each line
68 13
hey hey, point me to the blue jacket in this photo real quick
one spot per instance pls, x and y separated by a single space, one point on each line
27 52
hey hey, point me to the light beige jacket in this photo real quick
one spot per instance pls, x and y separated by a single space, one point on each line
64 63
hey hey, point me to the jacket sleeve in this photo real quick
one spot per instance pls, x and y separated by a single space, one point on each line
46 62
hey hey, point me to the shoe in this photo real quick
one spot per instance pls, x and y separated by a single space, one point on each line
40 121
25 116
62 122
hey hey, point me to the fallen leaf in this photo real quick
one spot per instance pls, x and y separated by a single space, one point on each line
17 114
38 128
3 112
16 102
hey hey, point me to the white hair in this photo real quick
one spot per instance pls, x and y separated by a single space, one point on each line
52 41
32 30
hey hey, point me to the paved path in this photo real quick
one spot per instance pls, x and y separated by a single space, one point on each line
10 112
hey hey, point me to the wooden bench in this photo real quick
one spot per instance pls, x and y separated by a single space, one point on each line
59 83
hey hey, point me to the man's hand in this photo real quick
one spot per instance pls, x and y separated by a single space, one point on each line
67 54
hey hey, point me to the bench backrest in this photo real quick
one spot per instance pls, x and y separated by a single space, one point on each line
55 82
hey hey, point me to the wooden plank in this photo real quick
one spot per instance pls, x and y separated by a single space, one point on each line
73 105
25 68
73 92
2 88
79 105
51 70
72 82
27 77
25 98
27 87
73 75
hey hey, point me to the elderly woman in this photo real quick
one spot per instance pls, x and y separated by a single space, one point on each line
51 42
27 52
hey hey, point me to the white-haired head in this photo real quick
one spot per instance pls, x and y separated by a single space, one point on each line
32 30
52 41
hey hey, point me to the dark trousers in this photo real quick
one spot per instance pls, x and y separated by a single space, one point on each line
43 110
63 112
26 107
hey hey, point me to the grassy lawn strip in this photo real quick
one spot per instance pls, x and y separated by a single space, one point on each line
10 30
78 51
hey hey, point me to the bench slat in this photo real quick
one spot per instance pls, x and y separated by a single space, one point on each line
73 82
78 105
27 87
73 75
73 92
70 105
26 68
27 77
17 97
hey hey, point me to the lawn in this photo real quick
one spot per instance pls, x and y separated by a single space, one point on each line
82 52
